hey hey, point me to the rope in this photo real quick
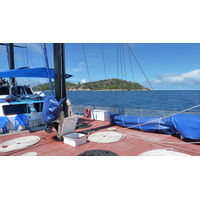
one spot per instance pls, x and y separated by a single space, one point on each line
159 126
140 124
86 149
162 142
123 121
180 142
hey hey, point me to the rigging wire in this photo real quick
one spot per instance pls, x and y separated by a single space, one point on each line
117 61
120 51
144 75
26 52
103 61
2 51
167 116
40 52
22 55
50 66
25 60
28 55
2 65
47 68
50 63
86 63
123 57
131 64
139 66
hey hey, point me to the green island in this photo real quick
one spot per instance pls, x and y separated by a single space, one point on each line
101 85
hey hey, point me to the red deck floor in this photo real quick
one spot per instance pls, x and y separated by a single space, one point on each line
133 144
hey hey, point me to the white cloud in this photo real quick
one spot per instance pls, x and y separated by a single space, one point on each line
78 69
83 81
179 80
81 64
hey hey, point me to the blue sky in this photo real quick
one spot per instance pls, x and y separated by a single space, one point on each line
167 66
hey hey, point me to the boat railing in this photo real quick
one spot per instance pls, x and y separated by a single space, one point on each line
79 109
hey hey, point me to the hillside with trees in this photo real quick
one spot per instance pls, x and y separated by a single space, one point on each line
102 85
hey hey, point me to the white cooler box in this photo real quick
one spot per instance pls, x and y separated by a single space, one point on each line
74 139
69 136
101 115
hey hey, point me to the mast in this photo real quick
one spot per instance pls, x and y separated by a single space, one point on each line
60 84
59 72
10 55
11 61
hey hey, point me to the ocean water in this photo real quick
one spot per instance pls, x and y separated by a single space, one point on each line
146 103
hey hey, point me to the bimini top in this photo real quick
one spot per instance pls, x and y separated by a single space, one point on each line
39 72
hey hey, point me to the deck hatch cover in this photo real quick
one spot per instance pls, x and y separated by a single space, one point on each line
106 137
18 143
98 152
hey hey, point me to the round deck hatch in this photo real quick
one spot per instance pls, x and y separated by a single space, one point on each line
18 143
163 152
106 137
98 153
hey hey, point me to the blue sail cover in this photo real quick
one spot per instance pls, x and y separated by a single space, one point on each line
51 109
187 125
39 72
150 124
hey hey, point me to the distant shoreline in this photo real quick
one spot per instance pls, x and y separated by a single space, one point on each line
107 90
102 85
114 90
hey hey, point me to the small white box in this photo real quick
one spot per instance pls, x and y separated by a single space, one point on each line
74 139
101 115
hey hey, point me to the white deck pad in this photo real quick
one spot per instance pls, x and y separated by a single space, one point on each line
106 137
30 154
18 143
163 152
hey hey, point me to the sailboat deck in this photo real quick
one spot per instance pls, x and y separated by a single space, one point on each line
133 144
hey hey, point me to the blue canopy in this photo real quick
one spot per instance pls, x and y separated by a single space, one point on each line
39 72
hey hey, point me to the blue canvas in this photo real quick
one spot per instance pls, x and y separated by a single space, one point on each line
51 109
